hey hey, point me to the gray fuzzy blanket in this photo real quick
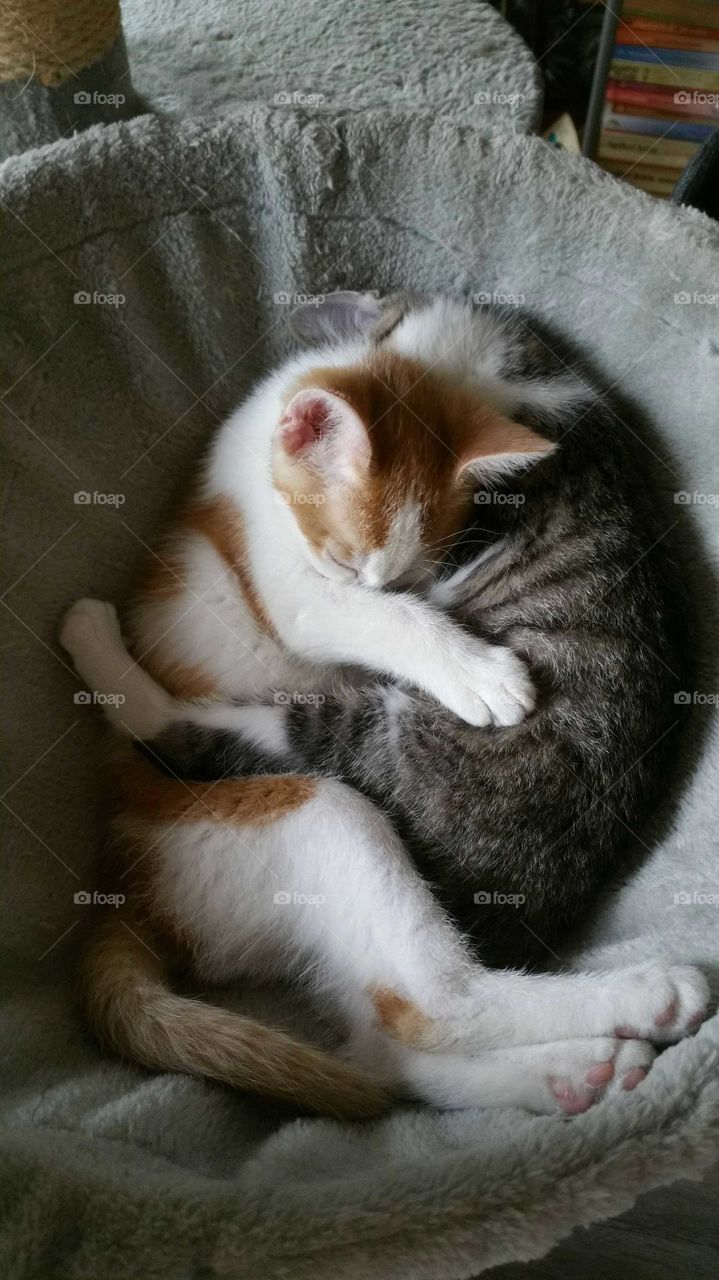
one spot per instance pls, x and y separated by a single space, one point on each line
147 277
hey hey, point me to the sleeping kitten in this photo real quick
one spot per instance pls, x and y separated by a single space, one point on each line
349 475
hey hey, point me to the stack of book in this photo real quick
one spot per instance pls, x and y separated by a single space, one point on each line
662 96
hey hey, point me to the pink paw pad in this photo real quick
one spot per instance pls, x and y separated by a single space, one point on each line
627 1033
571 1102
633 1078
667 1016
601 1073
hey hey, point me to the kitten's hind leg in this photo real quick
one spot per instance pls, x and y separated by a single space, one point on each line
565 1077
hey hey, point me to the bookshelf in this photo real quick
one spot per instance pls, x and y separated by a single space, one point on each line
655 95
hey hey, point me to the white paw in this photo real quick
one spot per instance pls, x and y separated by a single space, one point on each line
490 686
89 625
587 1071
656 1003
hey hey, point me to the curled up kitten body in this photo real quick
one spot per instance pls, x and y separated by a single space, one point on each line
344 669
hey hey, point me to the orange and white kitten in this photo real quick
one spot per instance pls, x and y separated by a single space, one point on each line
339 477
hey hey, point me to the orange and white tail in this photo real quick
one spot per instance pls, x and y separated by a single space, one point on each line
132 1009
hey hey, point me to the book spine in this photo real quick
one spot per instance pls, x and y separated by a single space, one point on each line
678 113
663 98
649 126
638 149
661 37
691 12
646 27
651 73
668 57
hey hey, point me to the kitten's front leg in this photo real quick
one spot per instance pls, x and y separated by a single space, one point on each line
406 638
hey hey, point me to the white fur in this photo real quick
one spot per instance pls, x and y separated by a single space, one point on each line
403 548
327 892
472 348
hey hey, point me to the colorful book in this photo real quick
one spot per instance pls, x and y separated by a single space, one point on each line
620 166
642 113
638 72
662 96
657 126
668 35
637 149
664 57
688 12
655 184
657 98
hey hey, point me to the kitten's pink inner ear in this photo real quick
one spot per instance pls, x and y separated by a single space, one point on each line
306 419
318 417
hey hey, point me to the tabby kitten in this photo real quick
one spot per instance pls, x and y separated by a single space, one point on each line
342 490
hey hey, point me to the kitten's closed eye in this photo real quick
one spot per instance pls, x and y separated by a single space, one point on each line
341 569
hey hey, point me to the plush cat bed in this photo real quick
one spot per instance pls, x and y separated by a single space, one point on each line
456 56
207 57
148 271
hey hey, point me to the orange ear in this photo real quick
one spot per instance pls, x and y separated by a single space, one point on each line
493 446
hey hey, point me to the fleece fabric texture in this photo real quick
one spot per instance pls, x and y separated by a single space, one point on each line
457 57
148 271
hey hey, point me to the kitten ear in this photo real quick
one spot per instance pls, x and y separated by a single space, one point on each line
323 431
336 315
497 446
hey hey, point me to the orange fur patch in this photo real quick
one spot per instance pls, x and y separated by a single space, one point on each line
182 681
142 791
221 522
400 1018
423 430
163 575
